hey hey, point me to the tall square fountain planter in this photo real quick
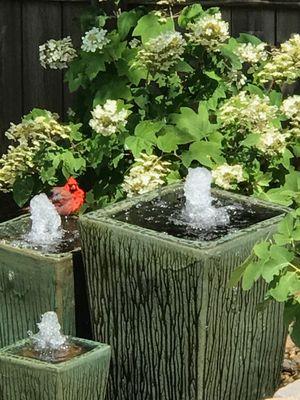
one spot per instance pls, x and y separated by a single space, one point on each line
162 302
33 282
81 378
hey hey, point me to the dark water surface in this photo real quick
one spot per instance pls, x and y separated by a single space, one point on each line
70 351
15 233
165 215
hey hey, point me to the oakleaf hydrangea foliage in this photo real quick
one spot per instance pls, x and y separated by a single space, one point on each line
37 139
162 92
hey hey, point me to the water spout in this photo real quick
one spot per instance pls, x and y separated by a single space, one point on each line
199 211
46 222
49 336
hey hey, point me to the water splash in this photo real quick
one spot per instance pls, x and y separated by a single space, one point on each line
49 336
46 222
199 211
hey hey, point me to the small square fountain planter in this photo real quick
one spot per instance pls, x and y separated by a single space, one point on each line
162 302
83 377
33 282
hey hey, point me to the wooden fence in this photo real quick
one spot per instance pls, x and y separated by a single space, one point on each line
25 24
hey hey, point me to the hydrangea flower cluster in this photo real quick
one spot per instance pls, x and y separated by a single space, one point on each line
251 54
162 53
284 64
291 108
95 39
225 176
29 137
57 54
107 119
272 141
148 173
209 31
237 77
247 111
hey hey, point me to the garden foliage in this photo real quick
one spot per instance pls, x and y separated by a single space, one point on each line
160 93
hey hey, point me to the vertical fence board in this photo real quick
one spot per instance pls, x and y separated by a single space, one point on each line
42 88
288 22
71 27
259 22
10 66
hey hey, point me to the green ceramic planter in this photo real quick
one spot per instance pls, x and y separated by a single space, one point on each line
177 331
32 283
82 378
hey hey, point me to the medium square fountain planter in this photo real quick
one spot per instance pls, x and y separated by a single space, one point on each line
83 377
162 302
33 282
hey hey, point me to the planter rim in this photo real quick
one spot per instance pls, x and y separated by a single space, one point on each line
32 252
104 216
76 361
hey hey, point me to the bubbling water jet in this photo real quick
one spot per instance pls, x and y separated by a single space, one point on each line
46 222
49 344
199 211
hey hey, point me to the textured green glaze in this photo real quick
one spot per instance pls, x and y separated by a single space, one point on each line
177 332
81 378
32 283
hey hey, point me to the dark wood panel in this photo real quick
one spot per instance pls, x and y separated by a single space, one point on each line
71 27
288 22
256 22
10 66
42 88
234 3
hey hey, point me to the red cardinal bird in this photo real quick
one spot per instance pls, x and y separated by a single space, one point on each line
68 199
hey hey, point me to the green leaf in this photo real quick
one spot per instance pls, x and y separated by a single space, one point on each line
197 125
149 27
172 138
22 189
287 285
137 145
238 272
213 75
261 250
251 140
126 21
251 274
275 98
148 129
247 38
253 89
112 89
189 14
95 63
206 153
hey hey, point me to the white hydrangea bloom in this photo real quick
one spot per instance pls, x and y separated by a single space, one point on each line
161 53
272 141
148 173
225 176
209 31
107 119
252 54
247 111
291 107
284 64
57 54
95 39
